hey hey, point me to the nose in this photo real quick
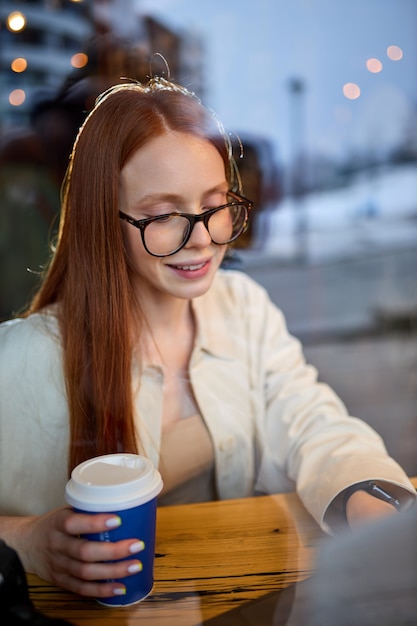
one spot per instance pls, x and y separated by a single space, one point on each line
200 236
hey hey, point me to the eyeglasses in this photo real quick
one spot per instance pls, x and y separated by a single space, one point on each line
166 234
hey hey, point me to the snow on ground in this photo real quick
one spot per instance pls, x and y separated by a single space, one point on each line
375 211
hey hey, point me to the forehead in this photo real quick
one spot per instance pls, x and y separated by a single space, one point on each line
173 160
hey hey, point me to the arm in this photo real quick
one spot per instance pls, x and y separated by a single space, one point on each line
308 435
34 417
50 547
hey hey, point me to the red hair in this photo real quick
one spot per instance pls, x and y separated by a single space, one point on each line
88 277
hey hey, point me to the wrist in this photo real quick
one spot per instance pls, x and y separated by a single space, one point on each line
15 531
373 489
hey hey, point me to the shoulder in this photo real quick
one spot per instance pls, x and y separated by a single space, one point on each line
32 338
31 368
38 325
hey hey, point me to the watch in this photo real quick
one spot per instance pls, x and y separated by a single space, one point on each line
375 490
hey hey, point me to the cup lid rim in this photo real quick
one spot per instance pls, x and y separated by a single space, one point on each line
144 484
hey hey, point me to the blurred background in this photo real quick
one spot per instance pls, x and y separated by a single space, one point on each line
323 98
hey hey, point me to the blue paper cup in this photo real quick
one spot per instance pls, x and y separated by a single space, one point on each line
126 485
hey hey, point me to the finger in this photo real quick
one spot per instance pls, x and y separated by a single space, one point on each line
103 571
92 589
92 551
85 523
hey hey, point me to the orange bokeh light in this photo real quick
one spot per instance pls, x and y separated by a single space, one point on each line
79 60
19 65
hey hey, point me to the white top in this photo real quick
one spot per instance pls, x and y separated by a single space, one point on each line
274 428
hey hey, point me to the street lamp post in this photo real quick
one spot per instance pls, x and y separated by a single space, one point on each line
298 183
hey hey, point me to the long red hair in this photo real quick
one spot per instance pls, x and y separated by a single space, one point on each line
88 277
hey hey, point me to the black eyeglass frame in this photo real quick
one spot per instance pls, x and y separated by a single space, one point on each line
192 220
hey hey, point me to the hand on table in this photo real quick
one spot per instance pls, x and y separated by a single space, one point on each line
50 547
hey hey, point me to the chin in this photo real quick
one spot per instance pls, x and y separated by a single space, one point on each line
195 290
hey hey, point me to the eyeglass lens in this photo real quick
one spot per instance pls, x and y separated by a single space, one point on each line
168 234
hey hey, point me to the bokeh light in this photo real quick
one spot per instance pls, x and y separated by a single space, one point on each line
394 53
16 21
351 91
79 59
17 97
374 66
19 65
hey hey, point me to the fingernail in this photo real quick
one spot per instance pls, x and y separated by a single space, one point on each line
138 546
119 591
134 568
113 522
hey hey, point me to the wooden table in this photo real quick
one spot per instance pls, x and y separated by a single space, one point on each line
210 558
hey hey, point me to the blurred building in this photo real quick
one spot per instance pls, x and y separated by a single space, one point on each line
43 42
38 41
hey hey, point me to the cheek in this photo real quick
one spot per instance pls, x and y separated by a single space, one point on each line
220 254
141 264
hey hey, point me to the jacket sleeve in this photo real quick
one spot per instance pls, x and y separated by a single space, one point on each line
304 431
33 417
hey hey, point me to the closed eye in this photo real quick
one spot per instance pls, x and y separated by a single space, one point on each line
165 217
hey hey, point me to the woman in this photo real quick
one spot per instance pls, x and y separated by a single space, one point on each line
137 341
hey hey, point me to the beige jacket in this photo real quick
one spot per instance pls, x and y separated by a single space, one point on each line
274 427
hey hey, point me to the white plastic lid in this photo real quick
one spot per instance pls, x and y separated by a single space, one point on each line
113 482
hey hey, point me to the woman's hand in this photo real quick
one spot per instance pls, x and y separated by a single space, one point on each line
50 547
362 506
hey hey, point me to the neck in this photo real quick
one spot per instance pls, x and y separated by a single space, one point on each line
168 332
166 315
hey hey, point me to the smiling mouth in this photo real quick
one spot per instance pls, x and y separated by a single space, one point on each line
190 268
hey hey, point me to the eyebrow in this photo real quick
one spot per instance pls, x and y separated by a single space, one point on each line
172 197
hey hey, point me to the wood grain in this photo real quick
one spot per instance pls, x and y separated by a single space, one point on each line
210 558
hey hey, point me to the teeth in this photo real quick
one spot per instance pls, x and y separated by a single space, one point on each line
190 267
